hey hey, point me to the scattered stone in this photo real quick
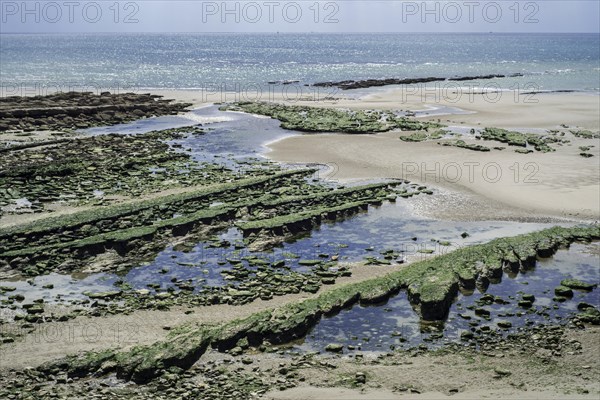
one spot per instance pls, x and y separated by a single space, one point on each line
482 312
525 303
360 378
563 291
502 372
504 324
334 348
577 284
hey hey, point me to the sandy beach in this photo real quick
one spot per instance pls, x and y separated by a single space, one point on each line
558 184
499 184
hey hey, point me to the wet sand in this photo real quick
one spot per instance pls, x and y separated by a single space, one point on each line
558 184
491 185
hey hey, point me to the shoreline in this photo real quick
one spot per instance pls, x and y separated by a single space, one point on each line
376 156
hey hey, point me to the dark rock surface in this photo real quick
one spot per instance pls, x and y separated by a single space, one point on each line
76 110
361 84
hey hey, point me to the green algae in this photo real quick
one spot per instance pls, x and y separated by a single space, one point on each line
512 138
585 134
294 219
577 284
79 219
463 145
314 119
432 285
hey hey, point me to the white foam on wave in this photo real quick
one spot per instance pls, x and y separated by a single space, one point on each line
560 71
245 113
202 119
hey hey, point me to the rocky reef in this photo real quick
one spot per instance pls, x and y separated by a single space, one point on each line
540 143
64 242
431 284
84 170
315 119
367 83
76 110
461 144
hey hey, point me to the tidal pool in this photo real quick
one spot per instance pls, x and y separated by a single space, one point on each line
391 226
232 138
395 325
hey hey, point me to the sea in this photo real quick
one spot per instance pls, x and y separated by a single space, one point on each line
237 62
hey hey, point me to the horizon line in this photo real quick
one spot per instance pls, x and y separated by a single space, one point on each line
301 32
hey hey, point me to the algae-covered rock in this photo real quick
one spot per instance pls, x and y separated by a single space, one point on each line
334 348
582 306
34 308
502 372
577 284
314 119
482 312
309 263
143 363
434 293
103 295
563 291
415 137
466 335
528 297
589 314
504 324
525 303
512 138
464 145
585 134
523 151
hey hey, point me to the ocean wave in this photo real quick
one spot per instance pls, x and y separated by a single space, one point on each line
559 71
205 120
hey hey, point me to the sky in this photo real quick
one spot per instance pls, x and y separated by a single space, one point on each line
342 16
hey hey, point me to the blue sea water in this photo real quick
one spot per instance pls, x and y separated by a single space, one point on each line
235 61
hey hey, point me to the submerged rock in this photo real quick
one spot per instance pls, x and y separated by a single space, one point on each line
103 295
563 291
577 284
504 324
334 348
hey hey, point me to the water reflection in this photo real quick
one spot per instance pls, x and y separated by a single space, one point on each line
395 325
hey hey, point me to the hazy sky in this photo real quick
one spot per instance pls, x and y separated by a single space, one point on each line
300 16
